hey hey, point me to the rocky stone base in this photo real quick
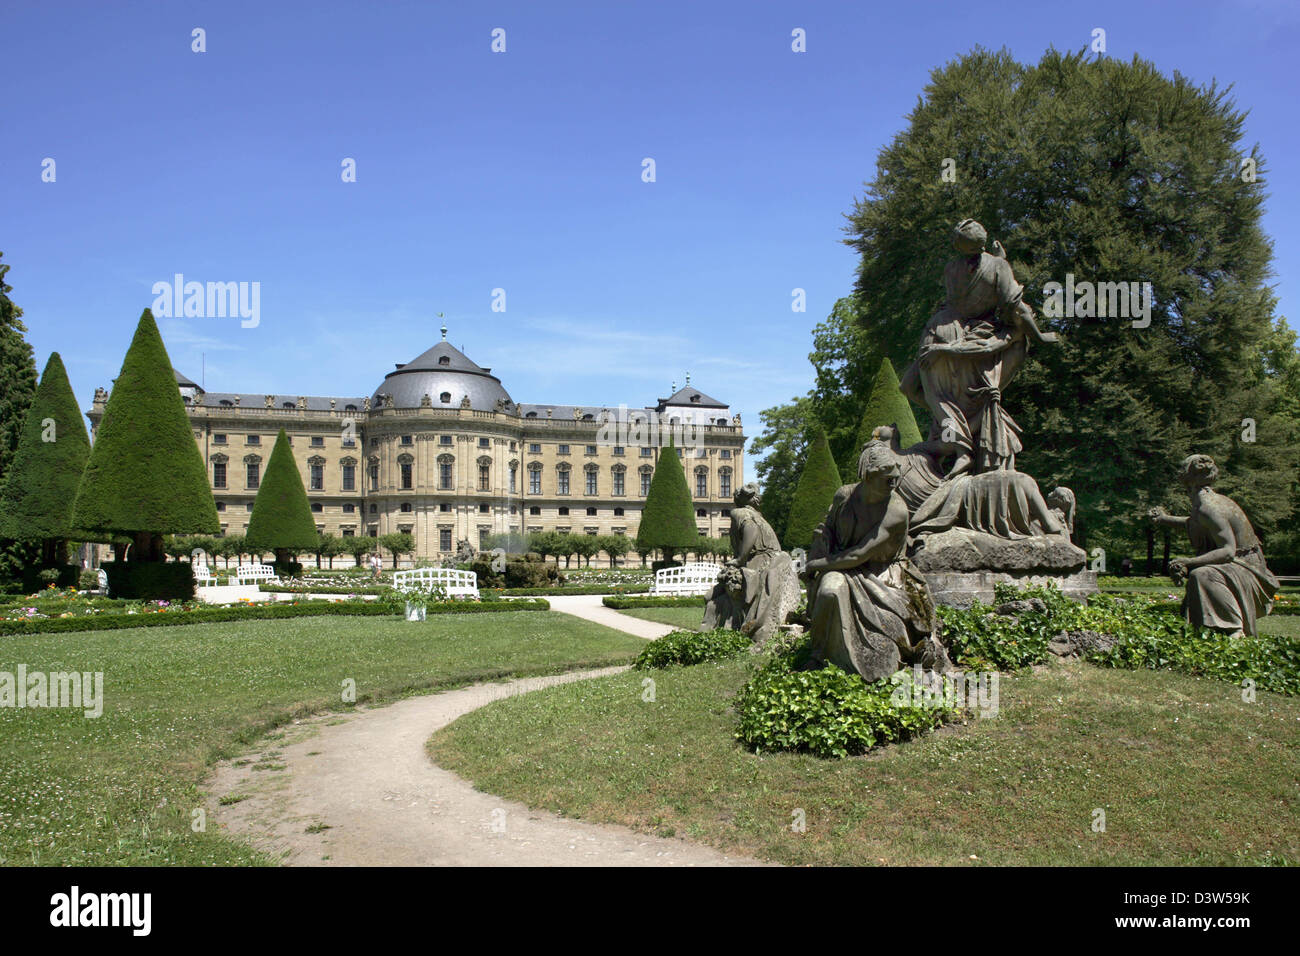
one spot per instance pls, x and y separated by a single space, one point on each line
961 550
963 588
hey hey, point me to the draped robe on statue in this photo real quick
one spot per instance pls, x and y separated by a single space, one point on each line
1230 596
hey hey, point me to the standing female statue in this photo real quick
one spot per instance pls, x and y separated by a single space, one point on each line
1228 584
870 608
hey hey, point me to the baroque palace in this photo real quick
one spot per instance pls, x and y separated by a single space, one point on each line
442 451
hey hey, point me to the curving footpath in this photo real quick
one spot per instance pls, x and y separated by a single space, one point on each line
360 790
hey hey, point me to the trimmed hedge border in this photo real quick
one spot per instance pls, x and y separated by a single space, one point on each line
1280 610
299 589
268 612
501 592
627 603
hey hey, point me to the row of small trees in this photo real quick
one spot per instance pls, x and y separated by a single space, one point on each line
553 544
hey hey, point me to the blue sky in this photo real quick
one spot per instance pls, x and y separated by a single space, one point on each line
520 171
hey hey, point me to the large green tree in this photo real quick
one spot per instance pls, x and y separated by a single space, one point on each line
145 476
282 520
818 483
1103 171
17 389
36 502
668 518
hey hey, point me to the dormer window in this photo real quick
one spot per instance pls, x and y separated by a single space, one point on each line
287 405
444 360
445 398
695 398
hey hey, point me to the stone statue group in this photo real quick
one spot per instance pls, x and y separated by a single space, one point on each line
954 505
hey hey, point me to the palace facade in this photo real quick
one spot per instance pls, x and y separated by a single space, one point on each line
441 450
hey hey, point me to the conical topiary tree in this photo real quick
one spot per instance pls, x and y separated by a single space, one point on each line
281 519
145 477
886 405
818 483
17 389
668 518
36 503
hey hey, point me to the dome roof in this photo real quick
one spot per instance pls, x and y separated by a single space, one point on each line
442 371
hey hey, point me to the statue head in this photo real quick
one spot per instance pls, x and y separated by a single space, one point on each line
747 496
969 237
878 469
1198 471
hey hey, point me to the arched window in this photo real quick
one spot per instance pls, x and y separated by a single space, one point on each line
724 482
349 408
484 473
531 415
535 478
646 474
701 482
446 481
619 473
406 467
226 403
287 405
591 479
562 478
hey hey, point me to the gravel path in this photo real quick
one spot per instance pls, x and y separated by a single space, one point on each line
360 790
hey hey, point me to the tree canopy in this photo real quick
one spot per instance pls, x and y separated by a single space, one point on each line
36 501
145 473
668 518
1099 171
818 482
282 520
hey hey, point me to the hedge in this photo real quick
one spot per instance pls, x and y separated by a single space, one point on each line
115 622
624 603
500 592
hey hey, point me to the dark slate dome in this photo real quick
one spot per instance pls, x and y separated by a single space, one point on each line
447 376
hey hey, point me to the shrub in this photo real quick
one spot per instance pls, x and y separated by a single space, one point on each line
624 603
150 580
88 581
827 712
685 648
61 576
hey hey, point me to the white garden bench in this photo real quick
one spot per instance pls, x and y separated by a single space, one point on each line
255 574
454 582
102 575
688 579
203 575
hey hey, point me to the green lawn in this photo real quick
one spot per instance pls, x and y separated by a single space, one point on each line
1287 625
1185 771
119 789
684 617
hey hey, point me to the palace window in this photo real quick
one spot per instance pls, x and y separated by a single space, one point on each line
317 442
484 478
349 509
725 453
221 506
534 479
701 512
444 508
483 509
444 439
591 449
562 449
349 408
317 477
724 483
254 474
349 532
254 440
374 477
444 360
406 507
534 448
618 482
701 483
647 452
406 476
374 509
562 481
534 510
317 508
645 483
408 440
445 398
444 475
618 451
349 477
218 439
484 443
591 512
219 474
591 481
564 512
618 512
444 539
513 470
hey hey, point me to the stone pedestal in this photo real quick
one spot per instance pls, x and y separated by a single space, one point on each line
963 588
962 566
